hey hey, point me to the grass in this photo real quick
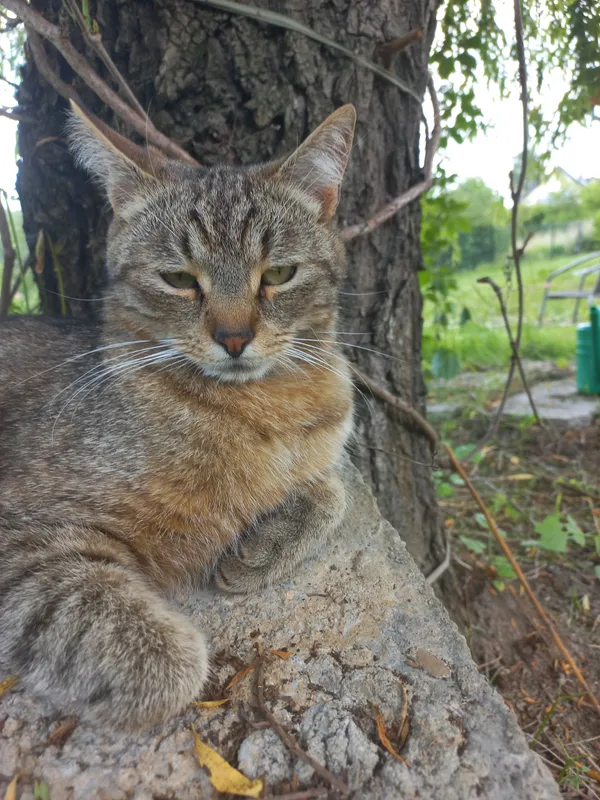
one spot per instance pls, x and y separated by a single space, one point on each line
28 295
482 342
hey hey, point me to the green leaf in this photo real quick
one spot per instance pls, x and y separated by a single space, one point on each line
41 791
456 480
575 531
553 535
499 585
463 450
444 490
481 521
465 316
503 567
473 544
445 363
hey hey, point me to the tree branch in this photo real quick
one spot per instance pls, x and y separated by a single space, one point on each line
10 114
94 41
514 348
52 33
401 406
8 263
389 209
386 52
517 252
504 546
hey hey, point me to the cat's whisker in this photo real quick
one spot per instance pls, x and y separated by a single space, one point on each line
82 355
99 367
356 347
108 372
314 350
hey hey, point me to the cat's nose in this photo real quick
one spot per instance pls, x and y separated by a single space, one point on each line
234 342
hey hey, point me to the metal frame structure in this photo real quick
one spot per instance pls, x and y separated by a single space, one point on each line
578 295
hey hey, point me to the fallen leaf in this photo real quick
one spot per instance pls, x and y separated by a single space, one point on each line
41 791
11 789
63 730
239 677
431 663
211 703
383 737
520 476
7 684
282 653
222 775
515 460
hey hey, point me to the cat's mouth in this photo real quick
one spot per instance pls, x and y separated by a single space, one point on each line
238 371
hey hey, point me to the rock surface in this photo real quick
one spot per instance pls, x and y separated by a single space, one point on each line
361 623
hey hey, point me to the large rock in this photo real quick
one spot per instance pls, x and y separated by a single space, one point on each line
361 622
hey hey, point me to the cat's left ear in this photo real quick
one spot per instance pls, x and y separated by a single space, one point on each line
318 165
124 169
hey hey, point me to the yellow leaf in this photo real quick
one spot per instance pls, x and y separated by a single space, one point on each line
521 476
7 684
11 789
211 703
222 775
282 653
515 460
383 737
240 676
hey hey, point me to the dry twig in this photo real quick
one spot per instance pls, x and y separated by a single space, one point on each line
389 209
513 345
289 740
9 263
517 252
47 30
504 546
399 405
387 51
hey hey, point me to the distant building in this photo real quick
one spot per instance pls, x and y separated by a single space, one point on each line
558 180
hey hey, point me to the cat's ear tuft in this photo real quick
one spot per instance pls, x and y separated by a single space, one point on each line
318 165
122 167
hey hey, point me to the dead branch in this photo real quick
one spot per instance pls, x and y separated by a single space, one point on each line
515 191
52 33
289 740
389 209
94 41
401 406
504 546
386 52
9 113
513 345
8 265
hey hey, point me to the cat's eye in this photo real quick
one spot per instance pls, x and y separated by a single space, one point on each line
275 276
180 280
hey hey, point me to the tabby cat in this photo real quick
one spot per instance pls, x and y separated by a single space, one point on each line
197 431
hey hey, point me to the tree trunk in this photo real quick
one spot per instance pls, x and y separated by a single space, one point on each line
230 89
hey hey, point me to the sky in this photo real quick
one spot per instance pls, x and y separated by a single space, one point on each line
489 156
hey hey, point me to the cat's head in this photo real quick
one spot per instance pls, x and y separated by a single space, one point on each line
233 265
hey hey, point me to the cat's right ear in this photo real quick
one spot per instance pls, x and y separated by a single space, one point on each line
123 168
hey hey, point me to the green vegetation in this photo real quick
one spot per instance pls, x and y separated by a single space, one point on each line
27 298
471 325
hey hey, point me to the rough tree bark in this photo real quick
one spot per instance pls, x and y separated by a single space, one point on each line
230 89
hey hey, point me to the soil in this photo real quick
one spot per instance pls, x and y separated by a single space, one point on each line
527 474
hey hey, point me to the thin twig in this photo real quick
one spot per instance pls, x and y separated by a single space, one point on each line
95 42
513 345
289 740
52 33
9 113
389 209
283 21
8 263
302 795
516 197
399 405
504 546
387 51
14 86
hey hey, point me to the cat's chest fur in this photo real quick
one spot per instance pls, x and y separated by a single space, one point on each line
211 462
